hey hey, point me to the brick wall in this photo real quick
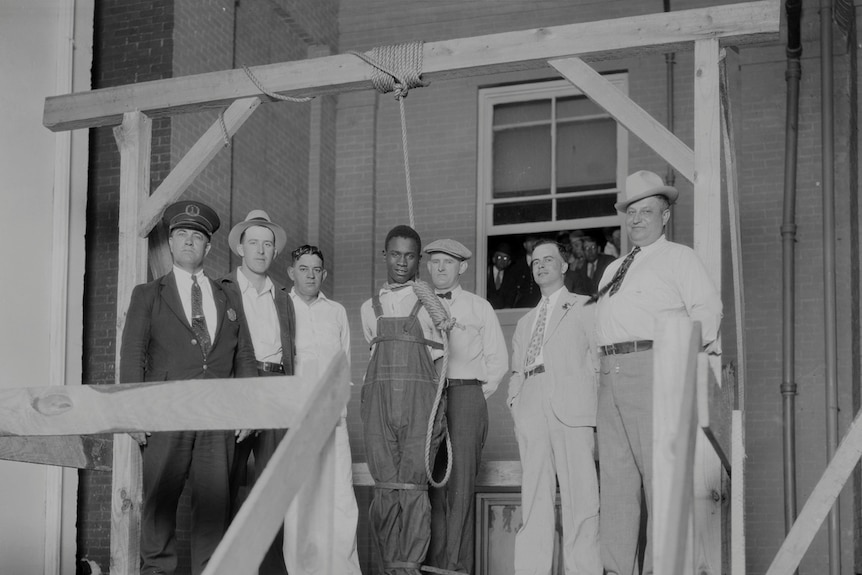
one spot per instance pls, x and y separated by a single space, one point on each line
442 139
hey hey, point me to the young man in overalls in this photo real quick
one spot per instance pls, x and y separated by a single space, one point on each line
397 399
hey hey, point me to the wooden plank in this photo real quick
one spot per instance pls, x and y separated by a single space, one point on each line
729 87
737 497
714 409
292 464
254 402
134 140
160 258
675 367
736 23
629 114
819 503
194 162
81 452
491 474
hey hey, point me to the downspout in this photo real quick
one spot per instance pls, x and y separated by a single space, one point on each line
829 306
669 60
788 237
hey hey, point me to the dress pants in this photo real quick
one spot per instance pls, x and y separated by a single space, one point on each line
263 445
168 458
306 532
625 451
452 510
550 452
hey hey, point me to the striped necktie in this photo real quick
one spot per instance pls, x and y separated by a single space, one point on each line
199 321
613 286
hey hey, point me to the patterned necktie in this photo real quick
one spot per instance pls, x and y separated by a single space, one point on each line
538 335
199 321
614 285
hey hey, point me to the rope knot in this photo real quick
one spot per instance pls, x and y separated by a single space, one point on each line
395 68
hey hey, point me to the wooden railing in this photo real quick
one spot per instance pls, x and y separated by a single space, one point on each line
51 425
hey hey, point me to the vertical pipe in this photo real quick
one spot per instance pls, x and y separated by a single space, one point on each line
670 62
829 308
788 235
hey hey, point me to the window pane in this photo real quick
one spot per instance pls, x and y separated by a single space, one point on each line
522 212
520 112
522 162
586 155
577 106
586 207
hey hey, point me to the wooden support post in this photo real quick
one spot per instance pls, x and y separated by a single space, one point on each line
134 139
254 527
820 501
629 114
81 452
737 495
194 162
675 368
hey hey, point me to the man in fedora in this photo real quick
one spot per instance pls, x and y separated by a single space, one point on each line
184 326
657 279
270 315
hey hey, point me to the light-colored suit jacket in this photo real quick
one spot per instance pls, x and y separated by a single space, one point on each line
570 356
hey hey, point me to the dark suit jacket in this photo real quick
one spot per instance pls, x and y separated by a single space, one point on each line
577 281
516 290
286 317
159 344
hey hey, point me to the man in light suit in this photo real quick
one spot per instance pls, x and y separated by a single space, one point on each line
184 326
552 397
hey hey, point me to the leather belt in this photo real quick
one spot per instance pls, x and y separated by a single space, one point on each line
625 347
457 382
268 366
534 371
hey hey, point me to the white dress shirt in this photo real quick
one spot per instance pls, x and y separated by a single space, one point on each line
184 286
399 303
477 348
321 332
665 279
262 318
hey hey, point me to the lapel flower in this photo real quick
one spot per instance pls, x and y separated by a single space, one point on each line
231 315
567 306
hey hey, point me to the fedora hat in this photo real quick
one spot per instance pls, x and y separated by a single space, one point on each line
257 218
644 184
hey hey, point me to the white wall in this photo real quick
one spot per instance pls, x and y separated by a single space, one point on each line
41 277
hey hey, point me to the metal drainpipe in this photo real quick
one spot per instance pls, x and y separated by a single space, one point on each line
829 308
669 59
788 235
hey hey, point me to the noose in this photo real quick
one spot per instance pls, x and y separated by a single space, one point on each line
397 68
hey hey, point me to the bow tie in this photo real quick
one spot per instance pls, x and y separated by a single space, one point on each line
447 295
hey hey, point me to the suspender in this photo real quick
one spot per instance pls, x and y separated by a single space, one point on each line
408 324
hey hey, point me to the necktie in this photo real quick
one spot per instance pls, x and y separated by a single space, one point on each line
498 278
447 295
614 285
591 269
199 321
538 334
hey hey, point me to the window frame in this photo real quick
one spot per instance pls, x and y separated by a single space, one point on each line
524 92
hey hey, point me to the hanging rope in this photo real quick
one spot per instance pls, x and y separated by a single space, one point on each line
273 95
397 68
440 317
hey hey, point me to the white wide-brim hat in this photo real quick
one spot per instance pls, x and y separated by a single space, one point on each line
257 218
644 184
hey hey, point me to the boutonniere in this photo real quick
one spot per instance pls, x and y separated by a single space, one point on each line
231 315
567 306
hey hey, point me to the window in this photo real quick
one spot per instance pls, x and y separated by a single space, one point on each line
550 161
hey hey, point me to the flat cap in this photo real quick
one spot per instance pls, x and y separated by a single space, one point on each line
193 216
451 247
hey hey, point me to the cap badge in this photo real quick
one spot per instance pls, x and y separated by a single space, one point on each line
193 210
